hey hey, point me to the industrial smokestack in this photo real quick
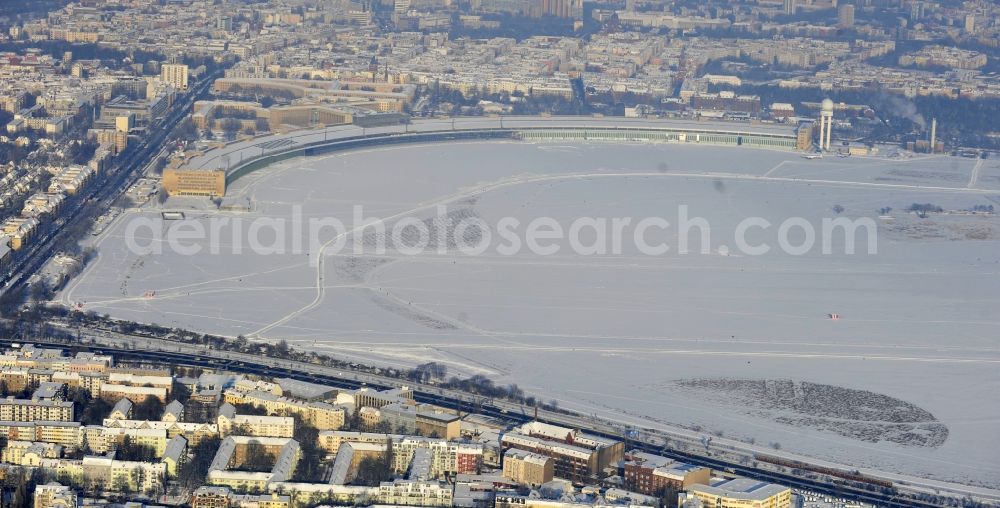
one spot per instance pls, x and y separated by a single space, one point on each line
933 134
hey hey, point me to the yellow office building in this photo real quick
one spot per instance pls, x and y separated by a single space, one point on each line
193 182
742 493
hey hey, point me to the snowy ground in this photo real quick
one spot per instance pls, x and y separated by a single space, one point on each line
914 358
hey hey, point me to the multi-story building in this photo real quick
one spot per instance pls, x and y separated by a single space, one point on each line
367 397
191 431
129 475
446 457
67 434
845 16
804 136
577 456
104 439
27 453
415 493
234 453
210 497
174 454
136 394
742 493
527 468
54 495
423 420
30 410
175 74
331 440
194 182
254 425
655 475
321 415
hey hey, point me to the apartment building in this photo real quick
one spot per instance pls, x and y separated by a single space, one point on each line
332 440
28 453
229 422
421 419
30 410
321 415
653 475
137 394
527 468
415 493
54 495
175 74
67 434
133 475
233 453
446 457
577 456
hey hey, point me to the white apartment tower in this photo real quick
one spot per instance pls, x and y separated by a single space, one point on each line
175 74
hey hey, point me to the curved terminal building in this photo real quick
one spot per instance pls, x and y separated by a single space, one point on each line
209 173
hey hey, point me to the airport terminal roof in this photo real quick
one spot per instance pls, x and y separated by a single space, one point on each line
232 154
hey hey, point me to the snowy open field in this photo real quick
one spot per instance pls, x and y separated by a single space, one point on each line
906 381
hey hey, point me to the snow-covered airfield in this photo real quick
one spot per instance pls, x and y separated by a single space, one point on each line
907 380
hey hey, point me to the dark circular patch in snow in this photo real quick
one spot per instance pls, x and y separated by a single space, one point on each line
858 414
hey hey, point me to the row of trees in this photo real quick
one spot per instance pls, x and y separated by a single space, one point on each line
374 470
34 325
961 122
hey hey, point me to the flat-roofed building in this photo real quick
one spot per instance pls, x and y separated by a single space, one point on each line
367 397
67 434
804 136
654 475
175 74
415 493
742 493
30 410
194 182
111 137
421 419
